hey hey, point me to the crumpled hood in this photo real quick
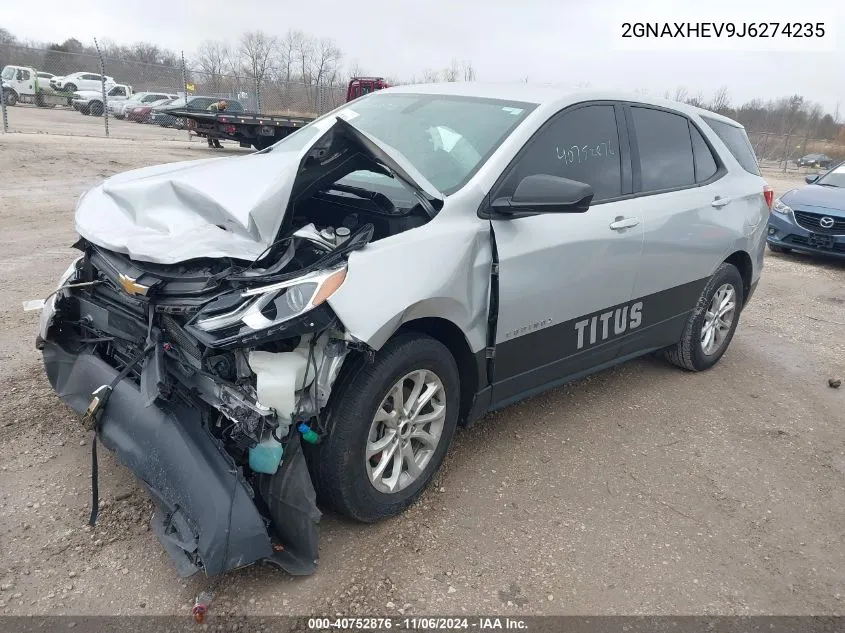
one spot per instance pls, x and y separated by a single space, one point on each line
220 207
217 207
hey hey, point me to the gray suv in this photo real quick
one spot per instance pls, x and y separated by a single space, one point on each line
310 322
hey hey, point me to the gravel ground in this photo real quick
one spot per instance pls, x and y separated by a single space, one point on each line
640 490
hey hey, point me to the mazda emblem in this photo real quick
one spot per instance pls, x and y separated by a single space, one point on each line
826 223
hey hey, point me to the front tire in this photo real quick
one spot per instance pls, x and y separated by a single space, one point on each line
96 109
711 325
10 96
389 425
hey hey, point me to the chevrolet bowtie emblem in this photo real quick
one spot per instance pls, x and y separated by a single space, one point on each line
131 286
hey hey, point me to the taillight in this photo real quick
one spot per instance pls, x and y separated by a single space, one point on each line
769 195
230 129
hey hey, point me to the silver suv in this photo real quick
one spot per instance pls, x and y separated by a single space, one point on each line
319 316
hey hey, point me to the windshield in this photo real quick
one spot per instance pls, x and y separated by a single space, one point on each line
833 178
447 138
8 72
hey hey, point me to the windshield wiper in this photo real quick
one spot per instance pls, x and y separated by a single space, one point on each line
827 184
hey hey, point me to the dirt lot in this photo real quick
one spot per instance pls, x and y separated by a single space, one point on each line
61 120
643 489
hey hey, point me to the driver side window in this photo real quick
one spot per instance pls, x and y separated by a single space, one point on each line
580 144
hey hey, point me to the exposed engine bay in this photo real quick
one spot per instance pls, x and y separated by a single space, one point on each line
239 357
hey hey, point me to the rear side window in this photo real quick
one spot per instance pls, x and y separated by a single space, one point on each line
580 144
665 149
738 144
705 164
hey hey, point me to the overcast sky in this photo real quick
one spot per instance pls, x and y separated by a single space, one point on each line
550 41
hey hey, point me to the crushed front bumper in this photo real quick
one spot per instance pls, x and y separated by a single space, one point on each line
207 514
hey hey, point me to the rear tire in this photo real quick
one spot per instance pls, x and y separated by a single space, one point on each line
362 417
778 249
96 109
696 351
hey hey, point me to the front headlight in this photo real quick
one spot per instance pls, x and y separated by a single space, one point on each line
264 307
780 207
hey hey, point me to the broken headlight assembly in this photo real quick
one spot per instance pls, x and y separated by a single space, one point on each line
264 313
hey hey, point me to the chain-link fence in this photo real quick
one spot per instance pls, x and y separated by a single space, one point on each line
91 94
783 151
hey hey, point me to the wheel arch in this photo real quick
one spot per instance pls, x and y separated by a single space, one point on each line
456 342
742 261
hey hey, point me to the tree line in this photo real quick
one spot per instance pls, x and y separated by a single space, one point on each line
786 116
257 59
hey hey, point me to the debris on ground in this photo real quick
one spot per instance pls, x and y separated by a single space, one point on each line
834 382
201 605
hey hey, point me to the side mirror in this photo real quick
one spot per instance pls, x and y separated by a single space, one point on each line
811 178
542 193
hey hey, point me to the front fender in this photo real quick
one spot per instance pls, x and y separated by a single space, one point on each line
440 270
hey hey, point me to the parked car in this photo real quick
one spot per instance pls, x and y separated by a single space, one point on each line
118 108
811 219
161 115
142 112
81 81
815 160
91 101
324 312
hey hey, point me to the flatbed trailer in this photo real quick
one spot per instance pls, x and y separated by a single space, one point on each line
248 129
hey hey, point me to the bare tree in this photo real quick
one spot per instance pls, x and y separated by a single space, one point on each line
680 94
6 37
836 114
696 100
355 70
212 59
813 117
468 71
430 76
288 48
304 57
325 61
453 72
257 50
721 102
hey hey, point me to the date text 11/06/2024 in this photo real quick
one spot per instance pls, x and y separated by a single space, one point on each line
415 624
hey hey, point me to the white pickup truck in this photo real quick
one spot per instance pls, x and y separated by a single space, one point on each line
24 84
91 101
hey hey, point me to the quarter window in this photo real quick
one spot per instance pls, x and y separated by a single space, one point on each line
705 164
580 144
737 143
665 149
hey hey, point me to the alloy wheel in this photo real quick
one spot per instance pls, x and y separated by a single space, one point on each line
718 319
406 431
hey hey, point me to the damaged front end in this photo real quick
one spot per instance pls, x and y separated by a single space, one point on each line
204 378
195 332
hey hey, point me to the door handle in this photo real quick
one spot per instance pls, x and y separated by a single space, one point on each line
623 223
720 202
